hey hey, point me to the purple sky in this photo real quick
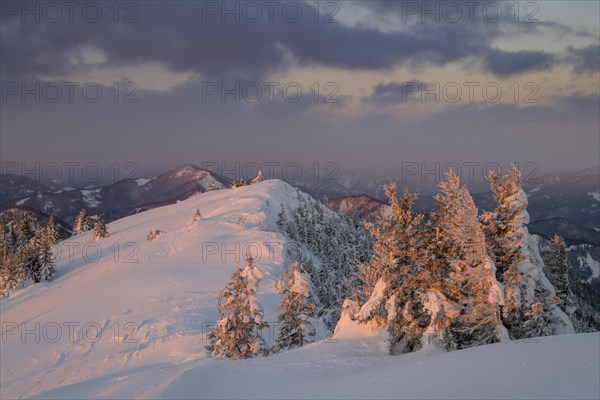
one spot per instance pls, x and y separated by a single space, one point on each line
379 86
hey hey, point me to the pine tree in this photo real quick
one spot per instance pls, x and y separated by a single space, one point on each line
4 266
391 282
197 216
282 219
557 271
100 230
297 307
24 234
82 222
12 242
52 231
195 219
33 264
238 182
16 270
258 178
47 269
3 237
463 276
86 223
237 332
526 310
340 245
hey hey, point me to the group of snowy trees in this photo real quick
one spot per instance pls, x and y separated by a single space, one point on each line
433 281
459 279
26 251
83 223
237 333
26 254
238 182
330 247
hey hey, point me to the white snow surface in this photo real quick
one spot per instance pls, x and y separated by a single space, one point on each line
556 367
91 197
592 264
142 181
374 301
146 324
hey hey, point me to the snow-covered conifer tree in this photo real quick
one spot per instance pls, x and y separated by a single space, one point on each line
47 269
197 216
12 242
82 222
4 266
3 237
462 271
16 272
24 234
297 308
33 263
391 282
195 219
100 230
257 178
282 219
237 332
557 271
52 231
529 308
238 182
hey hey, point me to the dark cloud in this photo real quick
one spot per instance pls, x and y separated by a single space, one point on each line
177 126
506 63
585 59
186 39
395 92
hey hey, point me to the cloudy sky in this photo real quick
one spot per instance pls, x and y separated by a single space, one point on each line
364 84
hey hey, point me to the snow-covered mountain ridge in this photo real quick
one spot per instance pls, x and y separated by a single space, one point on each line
133 323
149 303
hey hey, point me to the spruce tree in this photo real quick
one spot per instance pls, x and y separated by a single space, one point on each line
3 237
257 178
237 332
282 219
197 216
195 219
16 273
391 282
100 230
526 310
463 277
297 307
82 222
52 231
12 242
24 234
33 264
238 182
47 269
340 245
557 271
4 269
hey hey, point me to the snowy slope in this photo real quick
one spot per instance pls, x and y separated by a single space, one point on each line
169 293
555 367
166 290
